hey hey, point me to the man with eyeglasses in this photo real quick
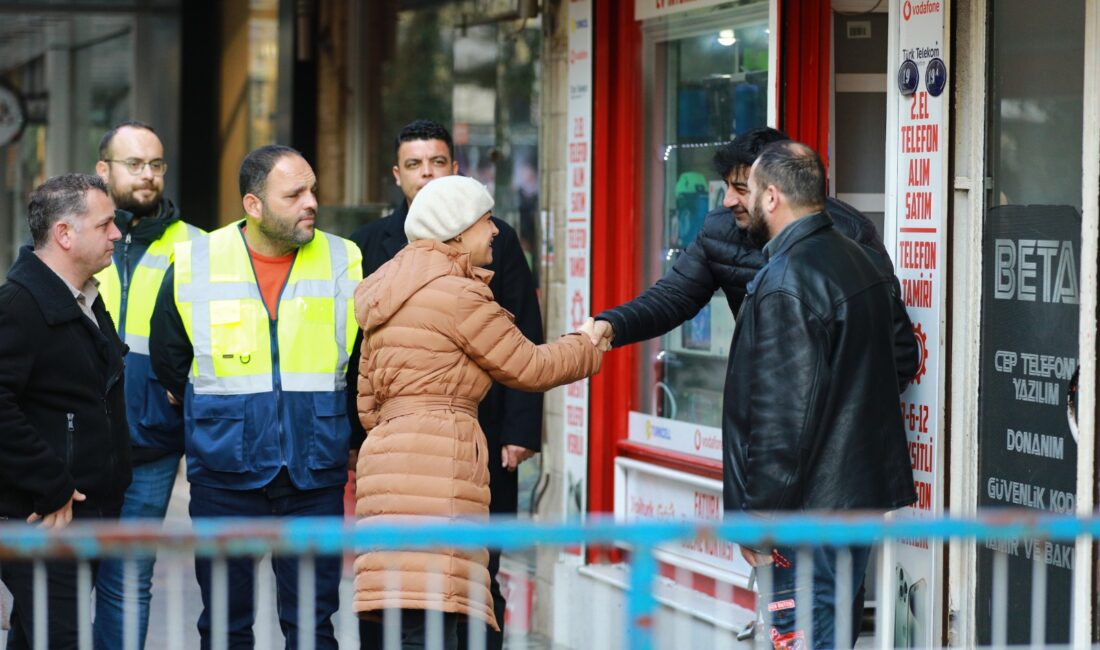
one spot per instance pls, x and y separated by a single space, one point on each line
131 163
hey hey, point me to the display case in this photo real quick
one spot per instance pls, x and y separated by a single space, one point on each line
707 77
705 80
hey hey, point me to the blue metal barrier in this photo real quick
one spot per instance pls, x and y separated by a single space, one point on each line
307 538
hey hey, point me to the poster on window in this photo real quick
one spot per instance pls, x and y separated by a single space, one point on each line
920 84
578 225
1027 453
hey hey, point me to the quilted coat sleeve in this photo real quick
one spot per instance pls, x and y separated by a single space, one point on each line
489 337
366 405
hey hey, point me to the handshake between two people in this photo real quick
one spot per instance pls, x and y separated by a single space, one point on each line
599 332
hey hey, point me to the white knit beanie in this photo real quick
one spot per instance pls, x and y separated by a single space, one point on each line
445 207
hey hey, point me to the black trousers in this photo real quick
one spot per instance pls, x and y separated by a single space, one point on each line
61 593
61 603
414 630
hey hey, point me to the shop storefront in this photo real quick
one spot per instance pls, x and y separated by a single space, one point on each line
966 130
945 124
706 76
1023 309
669 84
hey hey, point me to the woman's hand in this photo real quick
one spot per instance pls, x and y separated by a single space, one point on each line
599 332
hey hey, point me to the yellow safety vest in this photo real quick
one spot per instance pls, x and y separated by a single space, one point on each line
221 307
141 296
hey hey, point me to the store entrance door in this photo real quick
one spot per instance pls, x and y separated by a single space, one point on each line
1030 275
857 135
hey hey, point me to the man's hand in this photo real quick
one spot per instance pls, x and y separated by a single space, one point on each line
512 455
172 398
58 518
599 332
755 559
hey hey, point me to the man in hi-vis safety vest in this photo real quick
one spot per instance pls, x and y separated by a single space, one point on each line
131 163
253 331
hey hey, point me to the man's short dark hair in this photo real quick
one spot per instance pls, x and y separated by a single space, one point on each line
424 130
258 164
60 197
795 169
105 141
744 149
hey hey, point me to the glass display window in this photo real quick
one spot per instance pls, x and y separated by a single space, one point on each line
1031 302
706 80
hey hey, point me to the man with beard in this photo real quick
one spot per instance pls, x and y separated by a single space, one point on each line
131 163
721 257
822 350
724 256
253 332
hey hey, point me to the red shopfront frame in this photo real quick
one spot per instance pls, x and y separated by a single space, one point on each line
802 94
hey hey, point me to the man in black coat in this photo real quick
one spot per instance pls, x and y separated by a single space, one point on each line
511 419
721 257
65 451
822 350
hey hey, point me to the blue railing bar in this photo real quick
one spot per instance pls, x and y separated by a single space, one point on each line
641 606
253 537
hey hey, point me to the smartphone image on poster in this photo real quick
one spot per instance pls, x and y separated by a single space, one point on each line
903 611
917 614
909 610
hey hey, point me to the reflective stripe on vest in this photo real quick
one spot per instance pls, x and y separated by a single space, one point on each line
225 316
144 286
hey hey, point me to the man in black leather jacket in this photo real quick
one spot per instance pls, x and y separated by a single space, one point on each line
822 350
721 257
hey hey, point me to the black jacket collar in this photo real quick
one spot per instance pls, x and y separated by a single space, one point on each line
46 287
394 238
796 232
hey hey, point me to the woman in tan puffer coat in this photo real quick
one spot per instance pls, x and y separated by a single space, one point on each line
433 342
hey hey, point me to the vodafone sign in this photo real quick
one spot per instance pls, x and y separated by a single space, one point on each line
909 8
708 441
